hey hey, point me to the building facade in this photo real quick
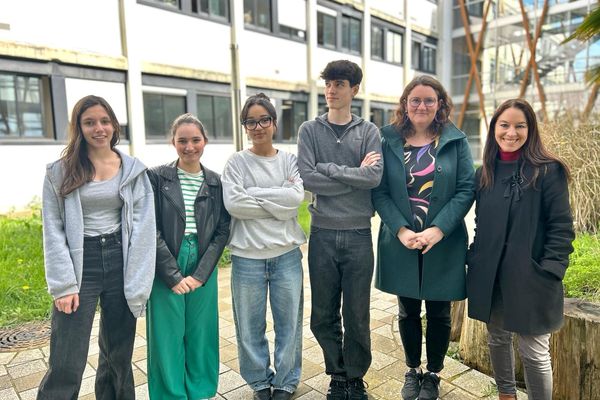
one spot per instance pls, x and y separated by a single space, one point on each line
155 59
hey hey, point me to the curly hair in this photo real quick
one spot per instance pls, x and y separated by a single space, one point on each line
401 121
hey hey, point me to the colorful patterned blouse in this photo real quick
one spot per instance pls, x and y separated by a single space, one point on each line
419 163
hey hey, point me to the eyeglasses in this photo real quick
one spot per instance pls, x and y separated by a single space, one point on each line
415 102
252 124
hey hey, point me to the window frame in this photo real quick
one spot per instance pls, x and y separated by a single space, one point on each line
423 42
158 138
213 95
342 12
385 28
185 8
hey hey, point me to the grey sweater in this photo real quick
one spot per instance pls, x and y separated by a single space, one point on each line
330 168
263 194
63 234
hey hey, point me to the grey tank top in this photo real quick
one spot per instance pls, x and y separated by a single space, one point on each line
101 205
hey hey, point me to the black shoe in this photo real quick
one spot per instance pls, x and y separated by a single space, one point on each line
263 394
337 390
356 389
430 387
412 384
279 394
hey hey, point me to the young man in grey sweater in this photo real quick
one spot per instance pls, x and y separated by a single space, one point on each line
339 158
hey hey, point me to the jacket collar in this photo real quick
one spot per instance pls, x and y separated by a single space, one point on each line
392 136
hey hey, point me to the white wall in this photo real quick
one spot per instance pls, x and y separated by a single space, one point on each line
175 39
82 25
394 8
270 57
385 79
423 13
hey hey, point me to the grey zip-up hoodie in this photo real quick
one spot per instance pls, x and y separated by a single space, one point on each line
63 234
330 168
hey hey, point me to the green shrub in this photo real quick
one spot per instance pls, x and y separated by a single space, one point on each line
23 294
582 279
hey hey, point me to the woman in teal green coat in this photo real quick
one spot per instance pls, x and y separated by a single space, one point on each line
427 189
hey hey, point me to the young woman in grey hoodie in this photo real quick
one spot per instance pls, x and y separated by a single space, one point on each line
99 244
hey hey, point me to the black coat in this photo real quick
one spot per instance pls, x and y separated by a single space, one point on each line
212 223
522 244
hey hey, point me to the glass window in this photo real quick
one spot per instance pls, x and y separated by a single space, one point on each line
214 8
159 112
325 30
168 3
351 34
377 116
428 59
377 42
258 13
416 55
22 107
393 52
215 114
356 110
293 114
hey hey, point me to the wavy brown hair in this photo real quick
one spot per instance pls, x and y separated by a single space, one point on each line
533 151
401 121
77 167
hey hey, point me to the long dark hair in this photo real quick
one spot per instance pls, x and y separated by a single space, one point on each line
533 151
401 121
77 166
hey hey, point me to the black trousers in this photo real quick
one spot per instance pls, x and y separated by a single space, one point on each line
340 264
437 335
70 336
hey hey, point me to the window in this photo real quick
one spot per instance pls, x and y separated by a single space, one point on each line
428 59
159 112
215 114
355 108
293 114
24 108
326 30
386 44
377 42
169 3
258 13
393 53
217 9
424 55
351 34
377 117
382 113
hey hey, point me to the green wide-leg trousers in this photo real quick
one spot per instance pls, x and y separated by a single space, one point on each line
183 335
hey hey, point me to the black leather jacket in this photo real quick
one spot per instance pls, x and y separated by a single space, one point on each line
212 223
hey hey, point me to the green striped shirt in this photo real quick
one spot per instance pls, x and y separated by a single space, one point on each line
190 184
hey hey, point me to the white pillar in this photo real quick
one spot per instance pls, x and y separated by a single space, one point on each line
366 56
135 99
407 45
238 81
311 47
444 48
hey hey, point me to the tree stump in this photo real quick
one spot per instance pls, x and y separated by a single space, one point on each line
575 353
457 315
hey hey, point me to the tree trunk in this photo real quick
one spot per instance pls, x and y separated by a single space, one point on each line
457 315
575 353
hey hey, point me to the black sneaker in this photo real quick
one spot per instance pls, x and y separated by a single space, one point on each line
430 387
412 384
263 394
356 389
337 390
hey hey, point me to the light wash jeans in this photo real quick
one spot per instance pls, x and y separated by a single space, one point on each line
533 349
281 278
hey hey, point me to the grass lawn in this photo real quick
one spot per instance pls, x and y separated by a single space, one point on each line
23 295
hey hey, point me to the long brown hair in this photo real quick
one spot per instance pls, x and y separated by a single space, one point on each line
533 151
401 121
77 166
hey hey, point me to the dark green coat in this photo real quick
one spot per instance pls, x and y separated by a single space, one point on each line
397 272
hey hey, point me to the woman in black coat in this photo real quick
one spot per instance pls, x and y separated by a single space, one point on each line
523 236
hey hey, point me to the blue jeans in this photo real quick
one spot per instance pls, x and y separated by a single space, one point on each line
281 279
340 264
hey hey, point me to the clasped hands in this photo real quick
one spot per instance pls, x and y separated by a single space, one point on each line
186 285
423 241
